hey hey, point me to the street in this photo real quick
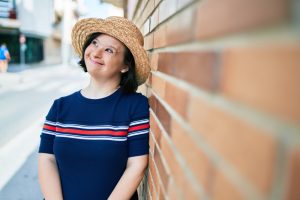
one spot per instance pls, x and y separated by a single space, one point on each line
25 98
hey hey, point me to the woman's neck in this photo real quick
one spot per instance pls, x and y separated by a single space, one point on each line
96 90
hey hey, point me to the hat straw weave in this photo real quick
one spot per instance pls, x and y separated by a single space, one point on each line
119 28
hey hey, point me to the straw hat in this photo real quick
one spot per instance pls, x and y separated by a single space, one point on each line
119 28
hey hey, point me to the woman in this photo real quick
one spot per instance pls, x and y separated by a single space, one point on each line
94 143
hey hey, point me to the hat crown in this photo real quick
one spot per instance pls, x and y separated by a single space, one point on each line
128 27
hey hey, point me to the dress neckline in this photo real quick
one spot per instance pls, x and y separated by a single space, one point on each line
103 99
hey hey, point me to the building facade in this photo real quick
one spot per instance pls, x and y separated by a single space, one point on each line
28 19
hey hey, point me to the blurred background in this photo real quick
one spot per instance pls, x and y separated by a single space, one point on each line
224 93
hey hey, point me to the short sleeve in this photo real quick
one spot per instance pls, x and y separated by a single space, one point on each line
138 132
49 130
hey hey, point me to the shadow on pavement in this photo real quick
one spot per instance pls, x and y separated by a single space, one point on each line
24 184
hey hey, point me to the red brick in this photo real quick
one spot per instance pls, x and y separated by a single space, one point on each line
293 181
156 132
196 159
223 189
177 172
173 164
151 143
164 117
154 61
158 85
163 172
160 36
161 113
162 195
245 146
177 98
148 41
165 62
266 77
153 173
194 67
215 18
153 103
180 28
174 192
151 185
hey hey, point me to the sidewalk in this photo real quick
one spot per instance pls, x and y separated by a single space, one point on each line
18 159
15 75
18 74
24 184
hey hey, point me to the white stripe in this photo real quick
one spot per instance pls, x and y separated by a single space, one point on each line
138 133
143 121
92 138
86 127
50 123
49 132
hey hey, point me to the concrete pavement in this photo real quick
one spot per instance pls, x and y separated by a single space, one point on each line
24 184
18 153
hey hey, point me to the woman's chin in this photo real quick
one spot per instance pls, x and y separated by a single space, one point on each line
95 72
94 67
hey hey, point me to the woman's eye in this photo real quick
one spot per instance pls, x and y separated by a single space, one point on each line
94 42
109 50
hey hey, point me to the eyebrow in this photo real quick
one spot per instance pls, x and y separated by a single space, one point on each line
108 45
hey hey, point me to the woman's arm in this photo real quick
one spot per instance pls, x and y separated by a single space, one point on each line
131 178
49 177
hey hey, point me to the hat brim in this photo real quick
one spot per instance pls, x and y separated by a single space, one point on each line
85 27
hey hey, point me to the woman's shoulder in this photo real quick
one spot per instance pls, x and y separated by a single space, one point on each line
136 97
67 98
138 103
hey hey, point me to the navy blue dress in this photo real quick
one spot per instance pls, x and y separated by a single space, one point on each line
92 140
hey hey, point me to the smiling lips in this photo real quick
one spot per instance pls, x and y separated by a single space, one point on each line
95 62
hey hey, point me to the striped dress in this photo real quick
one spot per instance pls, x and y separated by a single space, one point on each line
92 140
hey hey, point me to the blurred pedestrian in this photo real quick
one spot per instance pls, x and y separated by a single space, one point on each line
4 58
94 143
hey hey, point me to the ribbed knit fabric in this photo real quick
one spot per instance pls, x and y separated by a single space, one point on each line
92 140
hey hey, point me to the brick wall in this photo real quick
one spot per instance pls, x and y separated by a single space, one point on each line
224 93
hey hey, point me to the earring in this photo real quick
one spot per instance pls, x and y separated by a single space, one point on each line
123 70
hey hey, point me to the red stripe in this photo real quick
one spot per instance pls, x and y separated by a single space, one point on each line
93 132
49 127
138 127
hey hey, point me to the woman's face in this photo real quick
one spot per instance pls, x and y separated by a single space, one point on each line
104 57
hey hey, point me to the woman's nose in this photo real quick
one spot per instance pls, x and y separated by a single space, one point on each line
97 52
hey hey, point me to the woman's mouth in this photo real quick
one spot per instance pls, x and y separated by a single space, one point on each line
96 62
